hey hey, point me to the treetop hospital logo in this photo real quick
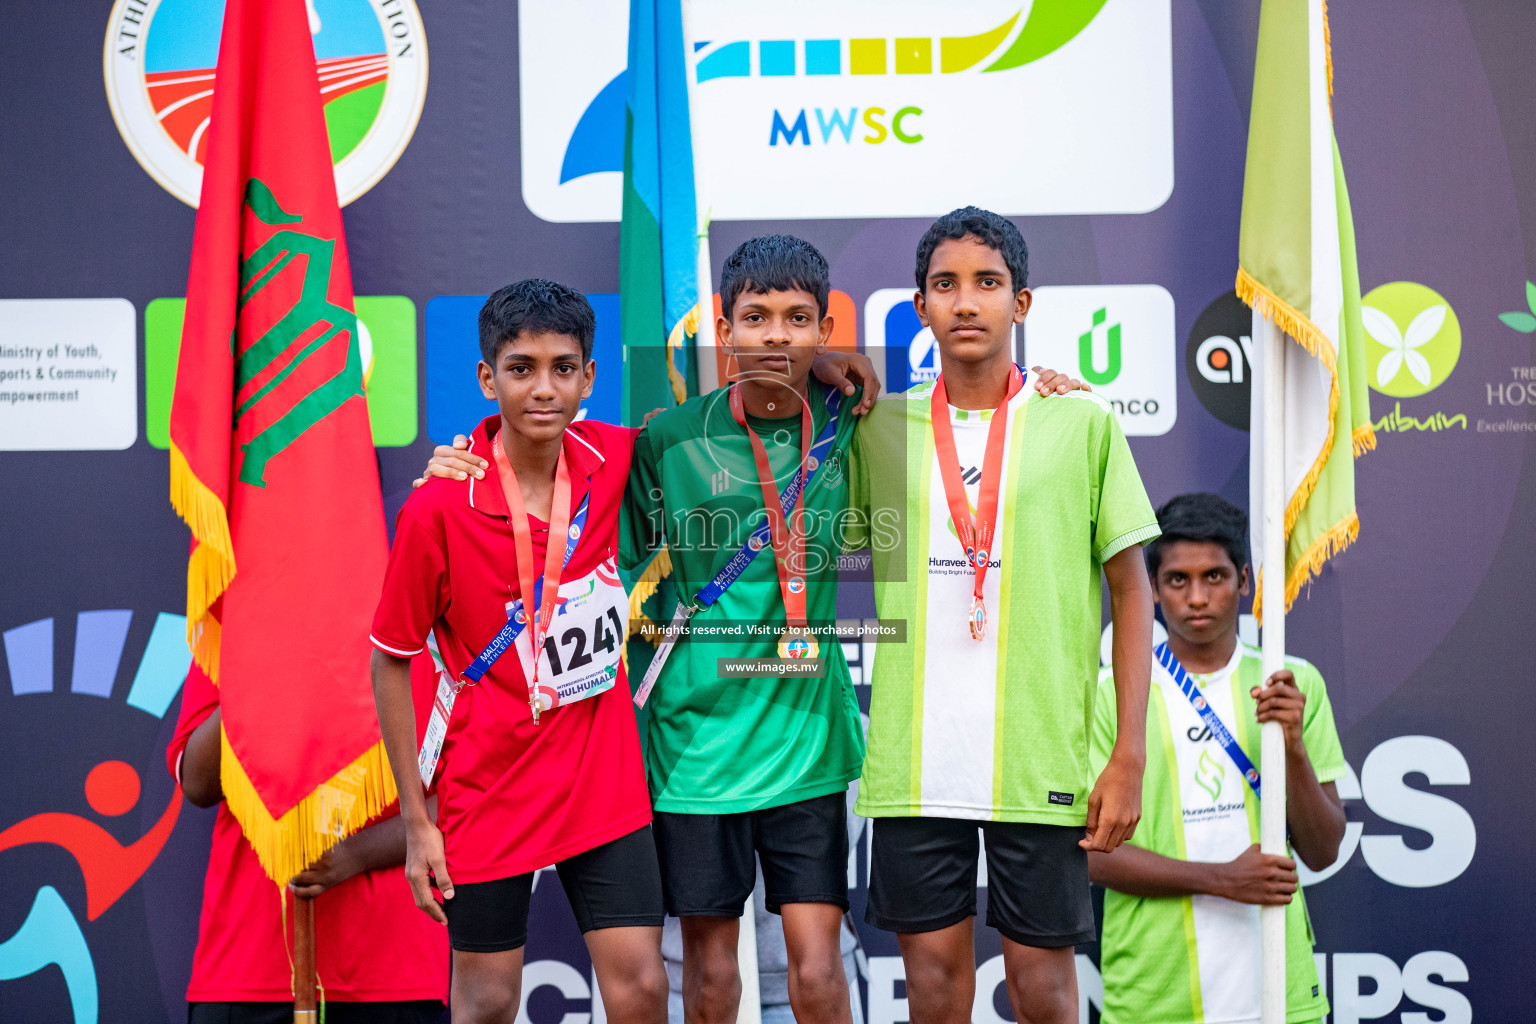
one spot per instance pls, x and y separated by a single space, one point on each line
159 62
839 110
1413 338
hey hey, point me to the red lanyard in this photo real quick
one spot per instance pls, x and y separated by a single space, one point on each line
538 613
975 534
788 538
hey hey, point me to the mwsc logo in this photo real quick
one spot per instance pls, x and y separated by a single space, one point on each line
159 62
836 110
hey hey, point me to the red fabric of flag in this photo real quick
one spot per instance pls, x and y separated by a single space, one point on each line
272 460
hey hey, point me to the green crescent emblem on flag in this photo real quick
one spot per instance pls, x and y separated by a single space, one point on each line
312 307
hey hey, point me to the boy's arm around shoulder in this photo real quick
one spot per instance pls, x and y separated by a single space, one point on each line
642 530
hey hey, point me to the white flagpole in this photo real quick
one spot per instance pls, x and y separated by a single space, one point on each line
704 344
1272 752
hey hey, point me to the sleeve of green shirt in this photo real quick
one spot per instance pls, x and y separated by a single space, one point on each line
1318 731
1122 514
641 530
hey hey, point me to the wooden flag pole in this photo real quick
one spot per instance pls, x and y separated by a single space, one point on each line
1272 738
304 962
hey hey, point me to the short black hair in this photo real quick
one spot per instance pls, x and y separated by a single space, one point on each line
538 307
1201 518
998 233
773 263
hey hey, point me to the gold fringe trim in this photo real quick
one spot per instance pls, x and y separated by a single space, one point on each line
1285 316
211 566
1332 542
689 326
1328 56
645 588
1364 439
338 807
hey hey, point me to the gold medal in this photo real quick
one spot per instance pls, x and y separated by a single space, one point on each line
798 643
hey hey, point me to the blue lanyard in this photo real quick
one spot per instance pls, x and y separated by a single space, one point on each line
758 539
1208 715
509 633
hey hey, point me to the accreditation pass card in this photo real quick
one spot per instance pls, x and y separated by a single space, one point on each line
437 724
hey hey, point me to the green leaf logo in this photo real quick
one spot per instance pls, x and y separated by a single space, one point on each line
1209 774
1525 323
1413 339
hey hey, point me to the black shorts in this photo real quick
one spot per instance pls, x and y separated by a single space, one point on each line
706 859
922 877
407 1011
615 885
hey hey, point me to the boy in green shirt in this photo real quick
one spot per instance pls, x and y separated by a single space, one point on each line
1181 917
1005 508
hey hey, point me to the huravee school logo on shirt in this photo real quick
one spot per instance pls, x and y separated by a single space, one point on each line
159 62
836 109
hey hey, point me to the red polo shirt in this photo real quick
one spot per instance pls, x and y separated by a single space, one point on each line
371 943
514 796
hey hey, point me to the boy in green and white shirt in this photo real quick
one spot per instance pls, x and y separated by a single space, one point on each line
1181 940
990 544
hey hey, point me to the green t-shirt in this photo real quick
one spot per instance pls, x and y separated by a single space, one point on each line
722 746
996 729
1196 959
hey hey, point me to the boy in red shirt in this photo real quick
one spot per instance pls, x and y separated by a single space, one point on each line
379 960
514 574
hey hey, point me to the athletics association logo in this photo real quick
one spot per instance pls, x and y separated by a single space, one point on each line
105 805
159 63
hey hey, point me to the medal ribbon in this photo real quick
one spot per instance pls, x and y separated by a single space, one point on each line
1219 731
539 613
975 534
788 538
737 564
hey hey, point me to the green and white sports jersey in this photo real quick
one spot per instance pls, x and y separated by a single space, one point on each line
1195 959
722 746
995 729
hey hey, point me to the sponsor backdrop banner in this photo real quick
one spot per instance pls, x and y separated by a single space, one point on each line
1113 129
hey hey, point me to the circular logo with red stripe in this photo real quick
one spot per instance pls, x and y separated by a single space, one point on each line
160 59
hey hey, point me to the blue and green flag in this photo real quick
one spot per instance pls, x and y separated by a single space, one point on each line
658 239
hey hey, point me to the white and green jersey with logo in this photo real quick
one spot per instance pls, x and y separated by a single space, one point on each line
995 729
1195 959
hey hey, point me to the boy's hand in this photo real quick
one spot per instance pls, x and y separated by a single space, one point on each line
1048 381
1281 700
335 866
844 370
1255 877
1114 806
452 463
648 415
426 867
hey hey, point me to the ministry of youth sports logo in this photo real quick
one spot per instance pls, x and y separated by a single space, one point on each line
159 63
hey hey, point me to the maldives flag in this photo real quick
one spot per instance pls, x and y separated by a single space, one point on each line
272 460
